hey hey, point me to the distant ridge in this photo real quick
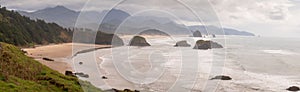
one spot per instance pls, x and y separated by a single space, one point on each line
219 31
67 18
153 32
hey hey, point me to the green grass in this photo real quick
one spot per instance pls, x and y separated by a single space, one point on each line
19 73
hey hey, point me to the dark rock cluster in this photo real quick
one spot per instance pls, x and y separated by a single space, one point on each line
197 34
47 59
138 41
182 44
293 88
221 77
70 73
204 45
125 90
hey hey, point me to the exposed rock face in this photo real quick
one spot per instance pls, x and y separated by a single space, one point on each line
138 41
69 73
201 44
293 88
197 34
182 44
221 77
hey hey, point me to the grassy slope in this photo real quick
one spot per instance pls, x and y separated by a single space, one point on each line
21 73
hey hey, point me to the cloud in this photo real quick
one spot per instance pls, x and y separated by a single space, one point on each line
258 16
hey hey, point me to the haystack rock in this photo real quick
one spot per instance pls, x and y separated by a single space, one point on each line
201 44
197 34
138 41
293 88
182 44
213 35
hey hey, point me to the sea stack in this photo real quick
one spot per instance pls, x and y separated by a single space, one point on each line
138 41
182 44
197 34
293 88
221 77
204 45
213 35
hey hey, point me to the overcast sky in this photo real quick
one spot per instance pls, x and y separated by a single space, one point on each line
262 17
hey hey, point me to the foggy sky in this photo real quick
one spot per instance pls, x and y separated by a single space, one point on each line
262 17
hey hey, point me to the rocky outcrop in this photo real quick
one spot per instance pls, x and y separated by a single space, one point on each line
104 77
213 35
221 77
293 88
117 90
138 41
197 34
182 44
82 75
202 44
69 73
47 59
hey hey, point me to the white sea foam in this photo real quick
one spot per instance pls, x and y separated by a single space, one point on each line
282 52
243 79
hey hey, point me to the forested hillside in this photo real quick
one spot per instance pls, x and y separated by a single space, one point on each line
20 30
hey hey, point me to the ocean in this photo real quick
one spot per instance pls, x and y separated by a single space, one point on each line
255 64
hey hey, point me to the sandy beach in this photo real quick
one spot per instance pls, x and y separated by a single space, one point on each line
59 53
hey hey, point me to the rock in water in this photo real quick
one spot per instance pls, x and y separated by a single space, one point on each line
293 88
197 34
221 77
213 35
138 41
201 44
182 44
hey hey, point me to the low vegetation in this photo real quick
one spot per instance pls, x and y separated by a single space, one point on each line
19 73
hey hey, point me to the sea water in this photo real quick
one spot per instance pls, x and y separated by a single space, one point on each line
254 63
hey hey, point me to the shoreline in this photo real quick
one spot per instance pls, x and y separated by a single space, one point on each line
59 53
